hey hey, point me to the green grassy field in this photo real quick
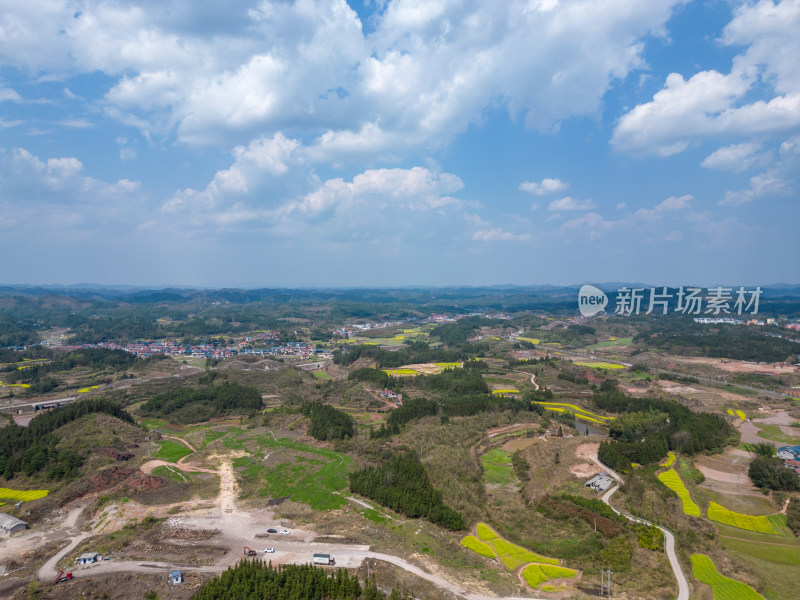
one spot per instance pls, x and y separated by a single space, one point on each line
171 451
780 554
774 433
212 436
497 467
672 480
321 375
309 475
170 473
723 588
623 341
26 495
153 423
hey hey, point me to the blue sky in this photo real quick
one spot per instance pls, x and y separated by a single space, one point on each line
406 142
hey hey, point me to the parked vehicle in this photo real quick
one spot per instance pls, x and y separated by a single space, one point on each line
272 531
269 550
285 532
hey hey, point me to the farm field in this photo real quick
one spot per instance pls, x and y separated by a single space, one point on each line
537 569
579 412
472 543
511 555
497 467
320 375
723 588
598 365
623 341
669 460
25 495
400 372
673 481
507 391
759 524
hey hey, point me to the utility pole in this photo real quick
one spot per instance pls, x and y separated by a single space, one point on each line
605 582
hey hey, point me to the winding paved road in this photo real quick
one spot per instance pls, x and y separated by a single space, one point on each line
683 584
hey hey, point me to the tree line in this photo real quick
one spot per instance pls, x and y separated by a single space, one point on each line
192 405
770 473
409 353
402 484
650 427
686 338
254 580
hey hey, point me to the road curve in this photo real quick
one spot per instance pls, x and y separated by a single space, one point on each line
130 566
683 584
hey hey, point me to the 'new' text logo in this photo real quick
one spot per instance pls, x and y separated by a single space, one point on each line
591 300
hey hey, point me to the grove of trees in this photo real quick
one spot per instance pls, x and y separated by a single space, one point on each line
402 484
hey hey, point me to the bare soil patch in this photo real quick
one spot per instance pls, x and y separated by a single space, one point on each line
738 366
519 444
585 451
583 470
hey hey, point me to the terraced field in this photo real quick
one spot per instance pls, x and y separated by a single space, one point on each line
723 588
538 569
669 460
673 481
474 544
598 365
400 372
580 413
759 524
26 495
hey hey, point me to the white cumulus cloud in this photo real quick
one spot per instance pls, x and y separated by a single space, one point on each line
569 203
543 187
737 157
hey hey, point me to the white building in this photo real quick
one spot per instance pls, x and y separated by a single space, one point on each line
10 524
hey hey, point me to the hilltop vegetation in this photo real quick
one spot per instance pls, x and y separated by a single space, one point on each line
409 353
193 405
402 484
684 337
33 450
651 427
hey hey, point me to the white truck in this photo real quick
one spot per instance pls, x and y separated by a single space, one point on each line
323 559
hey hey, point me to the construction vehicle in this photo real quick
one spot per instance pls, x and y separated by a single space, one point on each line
249 551
62 576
